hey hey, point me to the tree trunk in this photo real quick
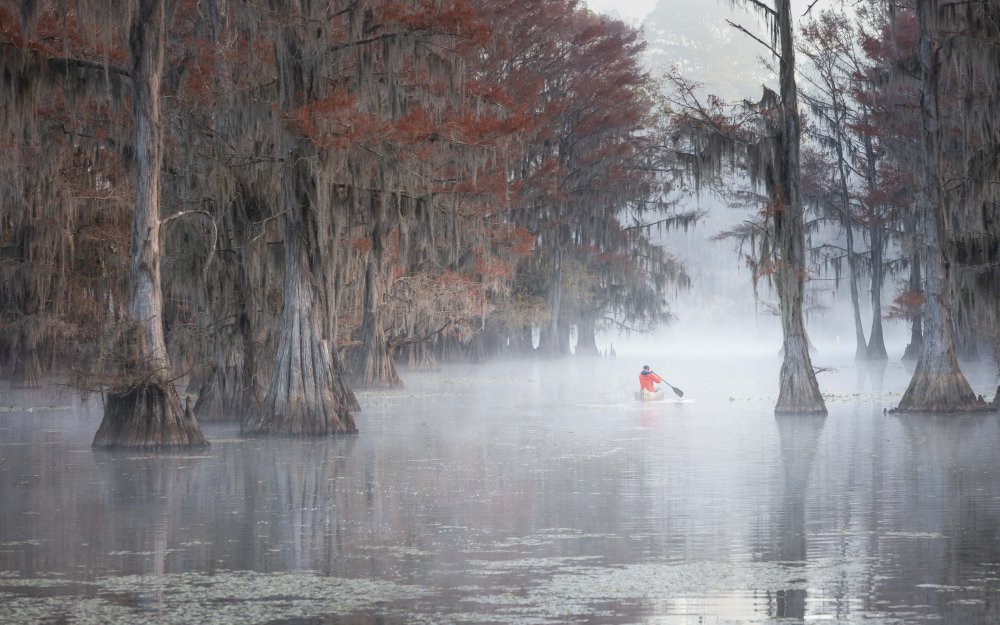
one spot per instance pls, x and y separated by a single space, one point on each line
876 340
144 410
485 344
916 343
551 344
449 348
553 340
371 364
26 368
306 395
231 388
861 344
938 384
234 384
586 343
876 233
420 357
799 391
520 343
847 218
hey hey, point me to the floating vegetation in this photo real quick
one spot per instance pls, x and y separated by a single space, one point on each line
34 542
9 582
398 550
526 590
862 398
12 408
182 598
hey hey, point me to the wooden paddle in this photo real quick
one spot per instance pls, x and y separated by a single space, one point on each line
679 392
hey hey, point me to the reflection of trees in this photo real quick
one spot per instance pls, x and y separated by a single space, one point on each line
951 483
145 519
799 436
297 506
873 372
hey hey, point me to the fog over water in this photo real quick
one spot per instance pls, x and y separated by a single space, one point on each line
525 492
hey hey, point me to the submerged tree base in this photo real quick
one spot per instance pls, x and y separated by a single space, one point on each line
28 374
799 393
222 398
148 416
943 393
373 369
299 417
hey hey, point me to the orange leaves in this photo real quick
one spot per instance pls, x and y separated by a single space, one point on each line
434 16
416 129
331 121
522 241
492 268
200 81
907 305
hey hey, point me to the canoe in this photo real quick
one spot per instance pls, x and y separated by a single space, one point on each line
645 395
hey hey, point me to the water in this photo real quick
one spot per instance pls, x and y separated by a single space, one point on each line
519 493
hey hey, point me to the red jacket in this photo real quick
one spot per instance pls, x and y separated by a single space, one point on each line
647 379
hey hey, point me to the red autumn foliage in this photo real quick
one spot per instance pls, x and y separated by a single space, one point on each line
907 305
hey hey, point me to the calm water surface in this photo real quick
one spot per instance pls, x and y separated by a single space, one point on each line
520 493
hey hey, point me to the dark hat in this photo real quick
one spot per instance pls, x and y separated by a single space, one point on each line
645 367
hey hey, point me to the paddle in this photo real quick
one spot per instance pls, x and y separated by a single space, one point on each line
679 392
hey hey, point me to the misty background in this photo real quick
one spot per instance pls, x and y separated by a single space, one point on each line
720 315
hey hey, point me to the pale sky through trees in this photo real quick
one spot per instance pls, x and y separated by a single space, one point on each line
631 11
635 11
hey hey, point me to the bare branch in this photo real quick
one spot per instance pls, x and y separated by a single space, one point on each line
746 32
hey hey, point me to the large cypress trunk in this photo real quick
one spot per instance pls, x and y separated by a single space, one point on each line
799 391
938 384
143 409
306 395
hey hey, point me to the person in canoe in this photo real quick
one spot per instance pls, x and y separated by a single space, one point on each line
647 379
647 389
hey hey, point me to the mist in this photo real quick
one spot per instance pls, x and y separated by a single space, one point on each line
519 491
494 311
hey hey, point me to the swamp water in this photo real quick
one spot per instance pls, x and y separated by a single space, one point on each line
517 493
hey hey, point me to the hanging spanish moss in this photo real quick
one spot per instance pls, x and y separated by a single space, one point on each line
770 155
948 35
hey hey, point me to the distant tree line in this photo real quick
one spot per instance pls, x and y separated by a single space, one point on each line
890 168
281 201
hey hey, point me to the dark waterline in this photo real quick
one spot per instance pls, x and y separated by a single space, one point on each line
517 493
